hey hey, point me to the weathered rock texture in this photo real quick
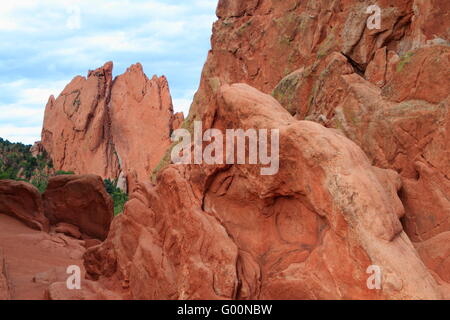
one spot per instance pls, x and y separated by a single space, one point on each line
309 232
23 201
76 131
37 149
5 291
378 157
105 127
141 120
364 161
81 201
34 259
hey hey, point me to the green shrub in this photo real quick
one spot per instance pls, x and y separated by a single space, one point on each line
119 197
110 186
17 162
62 173
40 184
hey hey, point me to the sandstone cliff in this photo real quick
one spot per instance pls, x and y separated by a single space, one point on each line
366 175
112 128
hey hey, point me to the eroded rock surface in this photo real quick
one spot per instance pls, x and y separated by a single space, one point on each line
110 128
81 201
309 232
76 131
5 291
376 156
34 259
23 201
364 160
141 121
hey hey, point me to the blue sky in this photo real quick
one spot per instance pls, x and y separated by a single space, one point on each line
45 43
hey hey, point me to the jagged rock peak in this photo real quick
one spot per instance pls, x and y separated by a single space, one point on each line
105 127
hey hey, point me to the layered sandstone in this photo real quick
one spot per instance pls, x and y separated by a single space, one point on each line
5 291
309 232
30 260
79 211
387 89
377 156
76 131
108 127
141 121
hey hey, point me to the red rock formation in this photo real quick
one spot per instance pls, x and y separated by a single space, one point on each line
89 291
260 42
364 165
404 126
37 149
81 201
377 68
23 201
158 251
435 253
68 229
34 259
141 114
109 128
178 119
5 291
76 132
311 231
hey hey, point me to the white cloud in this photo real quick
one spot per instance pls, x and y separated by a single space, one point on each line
40 95
42 15
206 4
182 105
28 92
25 135
19 112
45 43
21 121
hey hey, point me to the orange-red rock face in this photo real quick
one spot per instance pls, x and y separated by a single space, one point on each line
105 127
141 120
23 201
309 232
77 207
76 131
5 291
387 90
31 260
81 201
364 183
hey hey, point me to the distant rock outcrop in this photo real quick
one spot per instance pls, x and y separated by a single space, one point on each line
37 149
141 121
352 191
105 127
76 132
